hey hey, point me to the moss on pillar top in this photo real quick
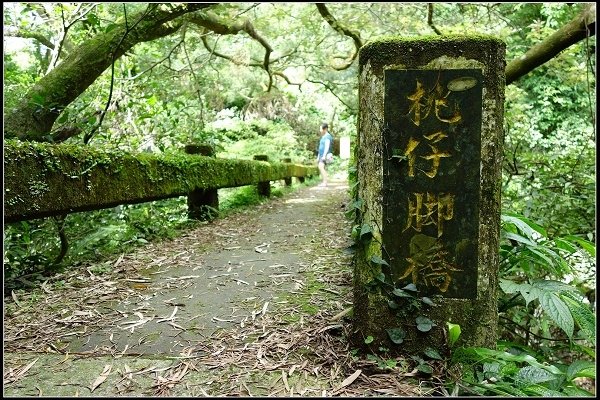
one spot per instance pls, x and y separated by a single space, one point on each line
414 52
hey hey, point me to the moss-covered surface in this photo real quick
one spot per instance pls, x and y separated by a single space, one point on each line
45 179
413 52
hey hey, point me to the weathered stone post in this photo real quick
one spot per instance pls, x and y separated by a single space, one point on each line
203 204
288 181
428 153
264 188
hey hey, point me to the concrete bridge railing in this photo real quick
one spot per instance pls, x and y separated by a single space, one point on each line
42 180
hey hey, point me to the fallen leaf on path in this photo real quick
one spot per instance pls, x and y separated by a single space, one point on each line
350 379
285 381
168 318
20 373
101 378
174 325
264 309
14 296
183 277
223 320
261 248
116 264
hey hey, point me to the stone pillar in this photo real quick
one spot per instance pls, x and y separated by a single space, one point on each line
264 188
429 151
288 180
203 204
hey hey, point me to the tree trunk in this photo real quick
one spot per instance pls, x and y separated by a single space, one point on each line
35 115
581 27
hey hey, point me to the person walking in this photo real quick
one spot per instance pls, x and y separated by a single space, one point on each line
325 149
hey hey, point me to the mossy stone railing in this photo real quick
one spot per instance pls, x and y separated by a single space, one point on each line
42 180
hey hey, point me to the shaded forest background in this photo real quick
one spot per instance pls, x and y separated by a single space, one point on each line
253 78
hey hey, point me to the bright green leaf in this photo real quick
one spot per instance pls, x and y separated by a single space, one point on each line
453 333
585 244
531 374
581 368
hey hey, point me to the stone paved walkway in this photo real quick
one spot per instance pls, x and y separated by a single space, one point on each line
242 306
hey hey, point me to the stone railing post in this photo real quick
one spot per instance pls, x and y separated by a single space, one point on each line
288 181
264 188
429 151
203 204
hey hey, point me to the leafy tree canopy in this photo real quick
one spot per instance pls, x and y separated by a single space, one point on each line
155 76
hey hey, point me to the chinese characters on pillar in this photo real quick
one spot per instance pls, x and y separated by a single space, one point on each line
431 179
429 209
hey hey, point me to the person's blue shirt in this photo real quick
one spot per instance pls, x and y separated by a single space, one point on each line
322 144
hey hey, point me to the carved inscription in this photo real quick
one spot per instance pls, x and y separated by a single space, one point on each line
432 142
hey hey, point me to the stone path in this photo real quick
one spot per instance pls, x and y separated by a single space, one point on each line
247 305
252 261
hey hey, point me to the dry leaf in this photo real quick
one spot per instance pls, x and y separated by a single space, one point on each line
101 378
264 309
116 264
350 379
292 370
168 318
285 381
14 296
25 369
260 248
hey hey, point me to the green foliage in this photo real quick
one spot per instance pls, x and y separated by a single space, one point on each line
511 372
174 90
550 145
544 282
453 333
526 250
27 250
548 295
238 198
547 323
245 139
396 335
424 324
383 363
16 80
